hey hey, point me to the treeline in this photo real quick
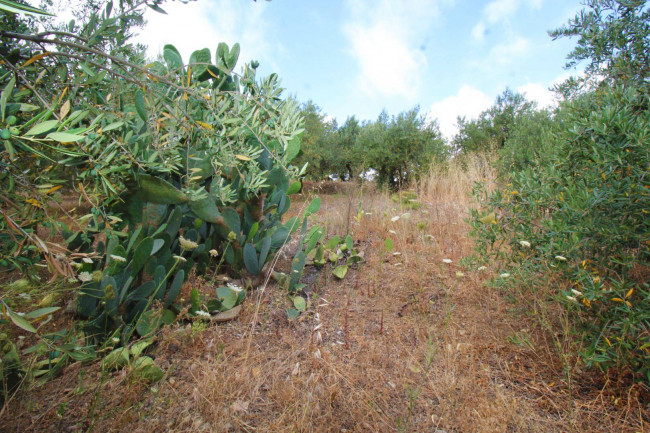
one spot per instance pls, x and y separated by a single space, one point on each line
395 149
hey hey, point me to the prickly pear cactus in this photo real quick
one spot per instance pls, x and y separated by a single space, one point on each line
210 187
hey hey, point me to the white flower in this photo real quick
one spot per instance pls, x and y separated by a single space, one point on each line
84 277
180 258
234 287
572 299
576 292
118 258
482 268
560 258
395 218
524 244
505 275
446 261
115 340
202 313
187 244
214 253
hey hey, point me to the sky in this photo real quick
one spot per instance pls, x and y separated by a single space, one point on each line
359 57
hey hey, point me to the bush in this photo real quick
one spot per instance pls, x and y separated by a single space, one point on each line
167 154
583 214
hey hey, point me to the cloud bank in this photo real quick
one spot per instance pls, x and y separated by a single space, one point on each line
386 40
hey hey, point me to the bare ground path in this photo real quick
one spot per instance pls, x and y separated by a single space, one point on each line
406 343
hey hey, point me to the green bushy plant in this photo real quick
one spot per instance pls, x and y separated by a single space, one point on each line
573 204
583 215
179 163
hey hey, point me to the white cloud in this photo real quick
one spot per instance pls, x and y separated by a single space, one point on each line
539 93
499 11
386 39
478 32
504 53
198 25
468 102
387 65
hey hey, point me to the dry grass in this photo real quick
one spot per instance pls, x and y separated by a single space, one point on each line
404 344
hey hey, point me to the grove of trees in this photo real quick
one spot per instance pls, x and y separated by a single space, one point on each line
396 149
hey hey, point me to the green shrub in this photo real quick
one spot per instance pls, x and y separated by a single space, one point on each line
163 153
583 214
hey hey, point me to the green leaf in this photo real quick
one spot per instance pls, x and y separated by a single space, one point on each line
117 358
264 251
137 348
141 255
227 297
148 323
340 271
157 245
253 231
232 219
20 321
140 105
6 93
175 287
156 190
174 222
300 303
297 266
112 126
333 242
172 57
40 313
195 301
159 277
65 137
11 6
294 188
206 209
292 313
168 317
26 108
199 62
142 292
313 206
222 51
145 369
157 8
42 127
388 244
349 242
293 148
280 236
231 61
250 259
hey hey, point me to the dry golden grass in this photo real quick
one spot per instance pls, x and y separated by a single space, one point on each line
403 343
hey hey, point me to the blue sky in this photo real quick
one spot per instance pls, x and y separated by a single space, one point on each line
451 57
